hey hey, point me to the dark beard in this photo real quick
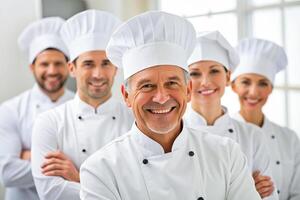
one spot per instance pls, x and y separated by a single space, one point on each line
54 90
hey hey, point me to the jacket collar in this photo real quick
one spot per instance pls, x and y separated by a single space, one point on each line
85 110
150 147
196 121
40 99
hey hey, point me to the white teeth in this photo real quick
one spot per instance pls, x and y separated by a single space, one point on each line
252 100
161 111
97 84
207 91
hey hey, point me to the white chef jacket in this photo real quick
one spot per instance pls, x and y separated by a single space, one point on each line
250 138
78 130
284 146
200 167
17 116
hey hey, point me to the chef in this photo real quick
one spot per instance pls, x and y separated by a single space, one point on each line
160 158
64 137
48 58
253 82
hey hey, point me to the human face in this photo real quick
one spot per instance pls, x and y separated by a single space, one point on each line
94 75
209 80
50 70
253 91
158 97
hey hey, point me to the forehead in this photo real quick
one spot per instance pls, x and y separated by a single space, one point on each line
161 72
95 56
253 77
50 54
204 64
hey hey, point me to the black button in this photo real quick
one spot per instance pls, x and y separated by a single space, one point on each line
230 130
113 117
37 106
200 198
79 117
145 161
83 150
273 136
278 191
277 162
191 153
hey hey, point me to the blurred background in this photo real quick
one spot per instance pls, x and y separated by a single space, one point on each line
276 20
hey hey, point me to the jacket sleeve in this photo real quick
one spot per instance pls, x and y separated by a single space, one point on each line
14 172
44 140
95 187
294 189
262 159
241 184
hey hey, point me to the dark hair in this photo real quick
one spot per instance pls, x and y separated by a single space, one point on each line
55 49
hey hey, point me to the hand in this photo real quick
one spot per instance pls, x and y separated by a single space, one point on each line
263 184
58 164
25 155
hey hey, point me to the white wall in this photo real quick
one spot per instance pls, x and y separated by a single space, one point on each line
15 75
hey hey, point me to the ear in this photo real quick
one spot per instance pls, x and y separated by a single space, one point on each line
228 75
189 90
72 69
31 66
233 86
125 95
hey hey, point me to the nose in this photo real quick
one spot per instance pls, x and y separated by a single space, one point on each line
98 72
161 96
205 80
253 91
52 69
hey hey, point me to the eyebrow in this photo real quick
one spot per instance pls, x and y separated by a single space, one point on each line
88 61
142 82
174 78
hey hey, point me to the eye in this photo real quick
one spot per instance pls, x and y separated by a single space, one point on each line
87 64
106 63
214 71
263 84
195 74
245 82
44 64
147 87
172 83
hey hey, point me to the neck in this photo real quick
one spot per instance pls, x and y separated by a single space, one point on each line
94 102
166 140
254 117
56 95
210 112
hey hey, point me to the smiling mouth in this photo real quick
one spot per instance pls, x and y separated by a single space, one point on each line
161 111
252 101
98 84
207 92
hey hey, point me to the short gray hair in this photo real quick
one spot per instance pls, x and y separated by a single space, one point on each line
126 82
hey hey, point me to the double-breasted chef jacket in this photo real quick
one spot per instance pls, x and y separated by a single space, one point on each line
284 145
200 166
17 116
78 130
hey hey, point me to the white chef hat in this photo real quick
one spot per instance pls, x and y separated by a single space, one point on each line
89 30
41 35
150 39
213 46
261 57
